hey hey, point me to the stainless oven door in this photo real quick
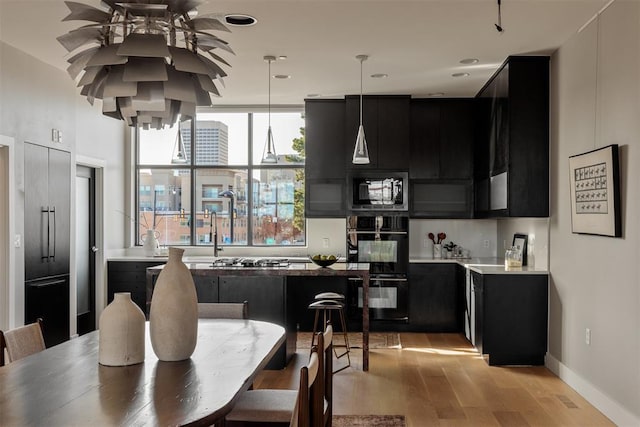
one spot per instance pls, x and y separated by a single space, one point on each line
387 252
388 298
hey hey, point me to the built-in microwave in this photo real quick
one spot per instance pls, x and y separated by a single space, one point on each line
380 191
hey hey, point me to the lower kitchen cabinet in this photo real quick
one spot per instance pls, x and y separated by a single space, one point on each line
206 288
267 301
129 276
435 297
511 317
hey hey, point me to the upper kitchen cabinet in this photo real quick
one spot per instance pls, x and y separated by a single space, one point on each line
441 158
441 139
386 121
514 140
325 147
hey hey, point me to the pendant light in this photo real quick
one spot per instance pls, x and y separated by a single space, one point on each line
269 155
180 154
360 151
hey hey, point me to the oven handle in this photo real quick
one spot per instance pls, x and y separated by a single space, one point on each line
391 279
402 233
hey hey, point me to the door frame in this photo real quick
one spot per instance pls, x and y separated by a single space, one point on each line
99 166
9 317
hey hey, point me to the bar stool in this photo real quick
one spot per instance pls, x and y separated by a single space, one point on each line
328 302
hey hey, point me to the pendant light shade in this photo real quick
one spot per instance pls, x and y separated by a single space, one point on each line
149 61
360 151
269 155
179 152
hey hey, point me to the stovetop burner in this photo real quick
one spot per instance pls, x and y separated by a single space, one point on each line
250 262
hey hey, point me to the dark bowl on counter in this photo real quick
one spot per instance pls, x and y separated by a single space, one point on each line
324 262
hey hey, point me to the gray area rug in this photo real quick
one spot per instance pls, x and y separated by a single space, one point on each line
368 421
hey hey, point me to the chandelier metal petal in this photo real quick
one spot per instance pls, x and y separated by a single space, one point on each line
148 61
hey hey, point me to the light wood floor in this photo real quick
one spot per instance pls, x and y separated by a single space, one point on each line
439 380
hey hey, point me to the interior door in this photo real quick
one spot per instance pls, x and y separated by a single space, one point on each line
85 249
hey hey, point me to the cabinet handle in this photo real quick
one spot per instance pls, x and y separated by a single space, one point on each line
402 233
47 283
389 279
42 243
53 257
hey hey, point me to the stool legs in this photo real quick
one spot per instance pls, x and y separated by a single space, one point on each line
346 345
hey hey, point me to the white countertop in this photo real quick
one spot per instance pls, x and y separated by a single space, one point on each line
483 265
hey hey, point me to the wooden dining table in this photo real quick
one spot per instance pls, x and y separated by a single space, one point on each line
66 386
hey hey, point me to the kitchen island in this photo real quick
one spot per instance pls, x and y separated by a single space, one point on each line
267 274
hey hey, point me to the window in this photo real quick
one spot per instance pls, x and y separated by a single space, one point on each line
188 193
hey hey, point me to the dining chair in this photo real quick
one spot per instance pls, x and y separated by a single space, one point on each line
326 342
21 342
294 408
219 310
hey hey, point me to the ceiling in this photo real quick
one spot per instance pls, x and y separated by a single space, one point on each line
418 43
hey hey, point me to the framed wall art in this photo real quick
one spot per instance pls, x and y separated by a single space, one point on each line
595 192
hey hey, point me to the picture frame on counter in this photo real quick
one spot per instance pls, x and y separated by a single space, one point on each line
520 242
595 192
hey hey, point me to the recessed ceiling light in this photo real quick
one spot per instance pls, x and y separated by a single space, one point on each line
460 75
282 57
282 76
379 76
469 61
436 94
240 20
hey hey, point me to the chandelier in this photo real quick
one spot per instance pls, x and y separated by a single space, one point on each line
149 61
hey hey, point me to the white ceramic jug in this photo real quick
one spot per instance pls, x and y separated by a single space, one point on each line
150 242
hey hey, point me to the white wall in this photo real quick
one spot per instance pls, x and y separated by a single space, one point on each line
537 229
595 101
468 233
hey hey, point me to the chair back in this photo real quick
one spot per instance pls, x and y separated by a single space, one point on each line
21 342
223 310
308 388
327 339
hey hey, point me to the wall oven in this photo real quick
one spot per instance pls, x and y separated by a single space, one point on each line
383 242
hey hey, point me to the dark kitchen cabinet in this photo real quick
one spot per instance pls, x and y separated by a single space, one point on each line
441 158
47 205
513 143
130 276
386 121
206 288
511 317
435 297
325 178
267 301
442 135
48 299
441 199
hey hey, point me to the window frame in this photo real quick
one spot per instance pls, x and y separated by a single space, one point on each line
193 167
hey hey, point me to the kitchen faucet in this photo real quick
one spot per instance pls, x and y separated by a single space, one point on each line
213 233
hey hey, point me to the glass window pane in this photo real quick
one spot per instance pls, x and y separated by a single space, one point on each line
278 208
163 147
285 128
221 139
221 194
163 205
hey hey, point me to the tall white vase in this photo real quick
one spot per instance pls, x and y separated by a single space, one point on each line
121 326
174 311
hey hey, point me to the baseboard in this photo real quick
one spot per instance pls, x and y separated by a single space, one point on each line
610 408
